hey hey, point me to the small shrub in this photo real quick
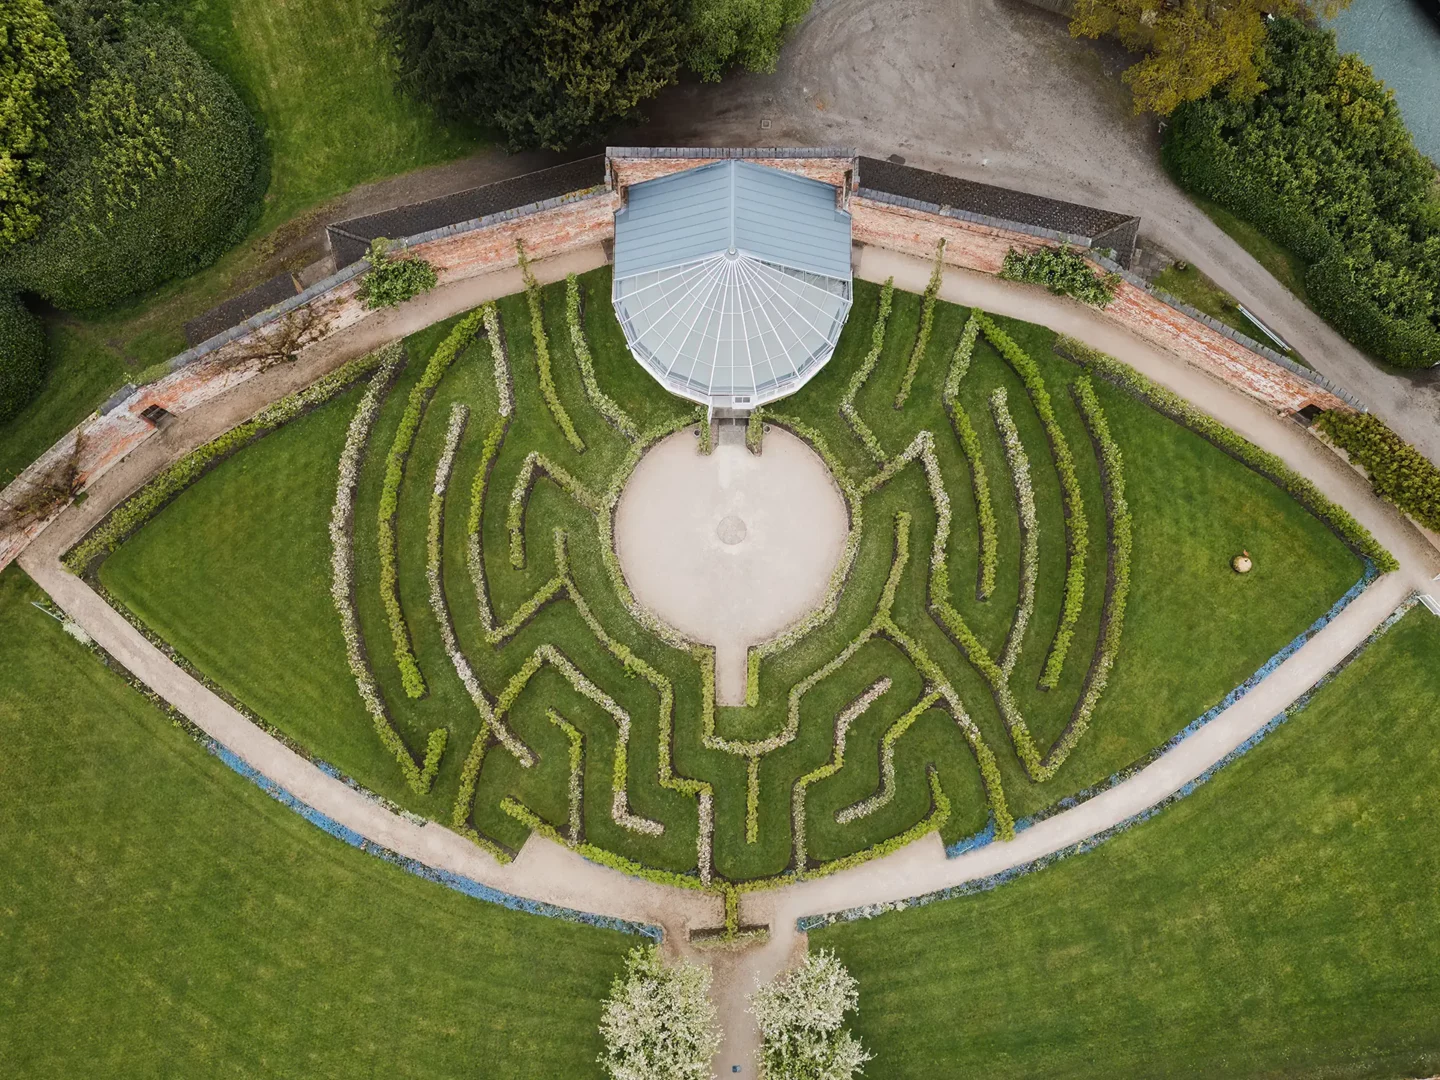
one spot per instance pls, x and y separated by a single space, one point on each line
1399 473
390 280
1064 271
22 356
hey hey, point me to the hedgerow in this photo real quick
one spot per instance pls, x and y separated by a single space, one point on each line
1399 473
877 343
1321 162
970 445
440 361
536 300
605 405
1340 521
22 356
927 323
1076 523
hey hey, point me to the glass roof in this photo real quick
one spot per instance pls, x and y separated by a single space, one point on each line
732 280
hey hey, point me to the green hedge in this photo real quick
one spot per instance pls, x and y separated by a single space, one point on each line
1064 271
152 173
22 356
1400 474
1322 164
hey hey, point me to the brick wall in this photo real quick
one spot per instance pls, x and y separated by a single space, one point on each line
968 245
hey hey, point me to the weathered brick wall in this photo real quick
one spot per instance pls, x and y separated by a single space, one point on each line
560 229
1157 322
981 247
631 170
915 232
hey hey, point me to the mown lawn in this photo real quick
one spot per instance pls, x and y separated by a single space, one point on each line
1278 922
161 916
235 573
1197 290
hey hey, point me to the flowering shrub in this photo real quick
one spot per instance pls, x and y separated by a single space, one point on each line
927 323
440 361
1399 473
542 353
1266 464
135 511
706 435
390 280
605 405
1076 524
1064 272
342 581
867 365
495 334
658 1022
970 445
801 1014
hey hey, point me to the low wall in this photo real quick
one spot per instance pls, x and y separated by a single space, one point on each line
576 220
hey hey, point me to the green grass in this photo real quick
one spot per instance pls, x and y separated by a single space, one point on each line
164 917
1283 264
1197 290
82 372
244 560
1278 922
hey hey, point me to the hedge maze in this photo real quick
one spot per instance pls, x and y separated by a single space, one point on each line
960 657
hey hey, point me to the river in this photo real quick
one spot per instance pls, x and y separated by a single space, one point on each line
1402 44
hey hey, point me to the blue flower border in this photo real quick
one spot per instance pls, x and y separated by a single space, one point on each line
987 835
993 881
459 882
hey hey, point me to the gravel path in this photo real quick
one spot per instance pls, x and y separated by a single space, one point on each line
545 871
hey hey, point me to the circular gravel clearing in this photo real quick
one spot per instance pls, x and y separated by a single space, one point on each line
732 548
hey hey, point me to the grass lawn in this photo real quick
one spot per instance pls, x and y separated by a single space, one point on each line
1278 922
164 917
82 373
1283 264
1197 290
235 573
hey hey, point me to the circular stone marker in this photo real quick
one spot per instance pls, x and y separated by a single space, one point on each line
731 530
732 548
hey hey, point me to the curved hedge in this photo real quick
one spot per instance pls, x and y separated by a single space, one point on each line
22 355
151 175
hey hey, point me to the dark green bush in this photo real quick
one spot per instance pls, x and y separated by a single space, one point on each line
1399 473
391 279
1322 163
154 166
1064 272
22 356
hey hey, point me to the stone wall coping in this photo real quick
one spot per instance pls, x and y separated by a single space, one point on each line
701 153
1308 374
975 219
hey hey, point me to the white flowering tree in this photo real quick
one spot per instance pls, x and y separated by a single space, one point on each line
659 1022
800 1015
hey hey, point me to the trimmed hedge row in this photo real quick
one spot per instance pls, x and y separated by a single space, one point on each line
440 361
927 324
536 300
605 405
877 343
848 716
1266 464
1076 524
970 444
1399 473
419 776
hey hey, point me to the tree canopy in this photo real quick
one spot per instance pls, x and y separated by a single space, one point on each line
548 73
151 165
1193 46
34 64
747 33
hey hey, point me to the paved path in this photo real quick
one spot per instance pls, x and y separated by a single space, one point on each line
730 549
545 871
